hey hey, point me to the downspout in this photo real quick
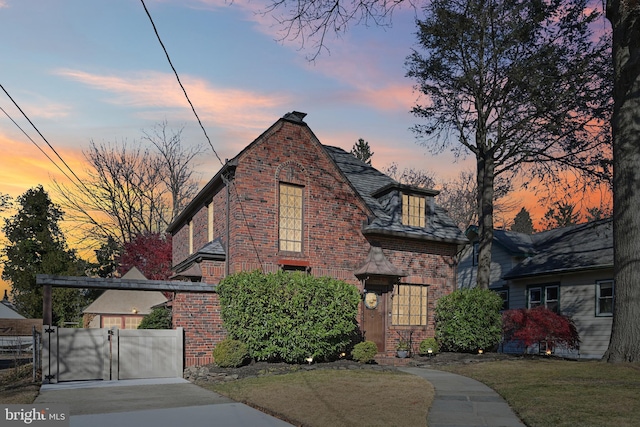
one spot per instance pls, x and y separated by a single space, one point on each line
227 174
226 258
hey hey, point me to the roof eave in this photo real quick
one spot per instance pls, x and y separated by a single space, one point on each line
558 271
407 235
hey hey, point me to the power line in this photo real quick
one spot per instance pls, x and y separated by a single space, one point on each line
205 132
78 182
179 82
43 138
36 144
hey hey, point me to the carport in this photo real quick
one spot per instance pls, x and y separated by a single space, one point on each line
71 354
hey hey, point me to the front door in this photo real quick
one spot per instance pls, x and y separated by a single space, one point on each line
374 322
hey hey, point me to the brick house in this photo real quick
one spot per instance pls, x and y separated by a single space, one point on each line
288 202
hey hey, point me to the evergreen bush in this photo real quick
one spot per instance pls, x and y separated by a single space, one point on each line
230 353
429 343
159 318
468 320
364 352
289 316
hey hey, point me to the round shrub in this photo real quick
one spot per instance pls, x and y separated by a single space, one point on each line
364 352
230 353
468 320
429 343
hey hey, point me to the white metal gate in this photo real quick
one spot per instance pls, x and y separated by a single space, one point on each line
72 354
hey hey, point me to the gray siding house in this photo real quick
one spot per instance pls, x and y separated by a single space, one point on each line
568 270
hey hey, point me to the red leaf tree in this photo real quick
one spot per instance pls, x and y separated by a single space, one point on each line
151 253
539 324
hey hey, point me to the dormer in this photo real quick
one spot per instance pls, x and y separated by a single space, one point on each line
409 206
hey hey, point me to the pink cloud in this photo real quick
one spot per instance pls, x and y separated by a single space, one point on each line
226 108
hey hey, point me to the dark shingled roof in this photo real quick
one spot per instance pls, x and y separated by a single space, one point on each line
212 251
368 181
377 264
569 249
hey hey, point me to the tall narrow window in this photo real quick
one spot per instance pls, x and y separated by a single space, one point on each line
604 298
413 210
190 237
410 305
210 221
290 218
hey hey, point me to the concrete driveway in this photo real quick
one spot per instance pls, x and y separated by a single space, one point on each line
159 402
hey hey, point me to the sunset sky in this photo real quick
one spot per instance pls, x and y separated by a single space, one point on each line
94 70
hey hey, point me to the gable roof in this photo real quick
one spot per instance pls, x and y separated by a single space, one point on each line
8 310
367 182
575 248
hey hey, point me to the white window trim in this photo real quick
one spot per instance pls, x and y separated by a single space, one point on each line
598 297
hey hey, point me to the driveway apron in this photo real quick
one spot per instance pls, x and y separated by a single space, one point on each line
164 402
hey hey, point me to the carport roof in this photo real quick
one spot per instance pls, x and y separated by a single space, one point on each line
126 284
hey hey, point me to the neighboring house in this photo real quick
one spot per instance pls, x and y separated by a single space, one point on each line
288 202
122 309
568 270
16 333
8 310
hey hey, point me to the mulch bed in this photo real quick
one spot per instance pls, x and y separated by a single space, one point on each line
213 373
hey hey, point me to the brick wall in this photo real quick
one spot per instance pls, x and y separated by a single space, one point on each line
425 263
199 315
333 244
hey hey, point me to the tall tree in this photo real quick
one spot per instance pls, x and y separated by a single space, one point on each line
177 164
36 245
522 222
411 176
5 201
362 151
561 214
517 83
624 16
132 190
107 256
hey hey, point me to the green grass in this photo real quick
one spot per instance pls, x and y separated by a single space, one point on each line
331 397
564 393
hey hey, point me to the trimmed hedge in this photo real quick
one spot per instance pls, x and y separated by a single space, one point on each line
289 316
468 320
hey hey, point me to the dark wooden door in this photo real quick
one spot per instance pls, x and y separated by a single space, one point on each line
374 322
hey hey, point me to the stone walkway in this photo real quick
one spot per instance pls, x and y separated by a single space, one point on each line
463 402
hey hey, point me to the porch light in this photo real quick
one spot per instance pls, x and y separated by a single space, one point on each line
134 310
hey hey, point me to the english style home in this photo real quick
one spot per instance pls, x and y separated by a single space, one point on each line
288 202
568 270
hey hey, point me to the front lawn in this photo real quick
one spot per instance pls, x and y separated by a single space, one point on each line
331 397
551 392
